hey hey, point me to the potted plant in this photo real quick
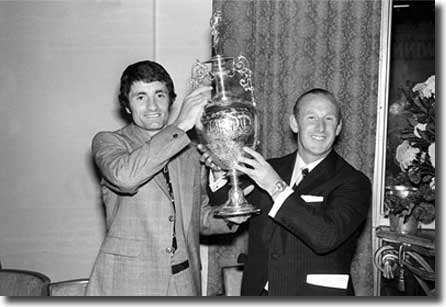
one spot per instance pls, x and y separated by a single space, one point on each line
410 193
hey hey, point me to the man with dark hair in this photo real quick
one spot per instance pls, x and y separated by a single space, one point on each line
152 192
313 204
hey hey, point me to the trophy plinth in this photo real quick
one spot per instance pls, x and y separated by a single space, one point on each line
236 205
229 119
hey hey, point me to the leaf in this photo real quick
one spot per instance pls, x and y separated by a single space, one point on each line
419 105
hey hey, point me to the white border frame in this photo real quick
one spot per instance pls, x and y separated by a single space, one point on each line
381 131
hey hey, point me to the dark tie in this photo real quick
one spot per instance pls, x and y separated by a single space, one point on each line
303 172
172 200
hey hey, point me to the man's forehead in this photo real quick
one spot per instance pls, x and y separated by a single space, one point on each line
316 96
154 85
317 101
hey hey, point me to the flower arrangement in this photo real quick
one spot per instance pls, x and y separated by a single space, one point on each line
415 155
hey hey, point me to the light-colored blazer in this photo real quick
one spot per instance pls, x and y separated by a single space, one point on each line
133 259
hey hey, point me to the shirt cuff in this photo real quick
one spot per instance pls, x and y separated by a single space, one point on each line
214 184
280 199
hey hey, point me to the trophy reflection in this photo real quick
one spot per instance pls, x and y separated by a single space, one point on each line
229 119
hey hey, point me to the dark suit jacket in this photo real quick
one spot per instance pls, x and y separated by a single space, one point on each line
307 238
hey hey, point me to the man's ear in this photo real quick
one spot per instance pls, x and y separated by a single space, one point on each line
293 124
339 128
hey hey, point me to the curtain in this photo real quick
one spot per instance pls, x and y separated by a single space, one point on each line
296 45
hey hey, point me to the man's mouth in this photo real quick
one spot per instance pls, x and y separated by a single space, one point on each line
318 137
152 115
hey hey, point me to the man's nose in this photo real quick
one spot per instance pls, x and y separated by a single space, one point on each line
151 105
320 125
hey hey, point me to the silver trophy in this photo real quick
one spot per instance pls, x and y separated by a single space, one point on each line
229 119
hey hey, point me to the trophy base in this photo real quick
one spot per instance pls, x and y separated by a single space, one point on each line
228 211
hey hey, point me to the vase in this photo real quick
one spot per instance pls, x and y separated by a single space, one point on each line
408 227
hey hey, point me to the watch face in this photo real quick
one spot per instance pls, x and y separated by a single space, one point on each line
280 185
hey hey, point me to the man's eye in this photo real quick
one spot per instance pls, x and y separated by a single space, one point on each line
161 96
140 97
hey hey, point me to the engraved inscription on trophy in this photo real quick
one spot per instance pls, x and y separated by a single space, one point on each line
227 131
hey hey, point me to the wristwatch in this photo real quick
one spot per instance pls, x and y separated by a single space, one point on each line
279 187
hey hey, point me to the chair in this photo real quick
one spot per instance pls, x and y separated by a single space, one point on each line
74 287
23 283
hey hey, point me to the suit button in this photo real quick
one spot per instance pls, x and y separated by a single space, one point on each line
171 218
170 250
274 256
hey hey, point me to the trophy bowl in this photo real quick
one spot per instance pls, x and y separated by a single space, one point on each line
226 130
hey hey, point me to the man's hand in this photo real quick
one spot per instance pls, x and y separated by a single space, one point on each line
192 108
258 169
238 219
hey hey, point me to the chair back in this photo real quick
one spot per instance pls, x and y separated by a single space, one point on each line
23 283
74 287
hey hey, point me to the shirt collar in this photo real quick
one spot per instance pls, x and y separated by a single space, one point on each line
299 165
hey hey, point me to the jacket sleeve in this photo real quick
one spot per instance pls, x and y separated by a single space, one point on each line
210 224
323 227
125 170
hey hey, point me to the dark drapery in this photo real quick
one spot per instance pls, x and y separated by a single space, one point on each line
296 45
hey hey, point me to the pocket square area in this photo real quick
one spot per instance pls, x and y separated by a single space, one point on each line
312 198
339 281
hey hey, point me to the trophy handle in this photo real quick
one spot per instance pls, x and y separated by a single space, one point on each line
199 73
241 65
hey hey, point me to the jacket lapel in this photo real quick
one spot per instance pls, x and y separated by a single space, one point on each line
182 187
160 181
286 167
137 138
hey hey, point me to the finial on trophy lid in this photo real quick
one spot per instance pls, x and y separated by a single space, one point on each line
217 27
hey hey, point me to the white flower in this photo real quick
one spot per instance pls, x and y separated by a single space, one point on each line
405 154
426 88
431 152
432 184
396 108
421 127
